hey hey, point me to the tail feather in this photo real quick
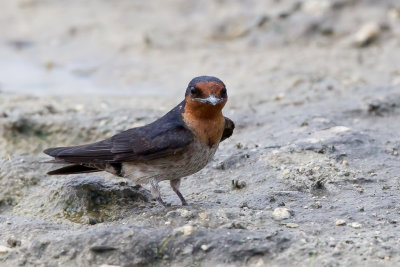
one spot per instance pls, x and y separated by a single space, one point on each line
73 169
54 151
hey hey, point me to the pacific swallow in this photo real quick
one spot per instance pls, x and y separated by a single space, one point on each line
176 145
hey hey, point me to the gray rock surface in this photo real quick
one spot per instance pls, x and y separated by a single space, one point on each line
318 122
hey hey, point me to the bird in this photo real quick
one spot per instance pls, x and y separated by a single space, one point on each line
177 145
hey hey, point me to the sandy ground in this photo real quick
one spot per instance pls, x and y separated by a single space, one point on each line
309 178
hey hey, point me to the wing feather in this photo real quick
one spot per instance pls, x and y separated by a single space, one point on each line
167 135
228 129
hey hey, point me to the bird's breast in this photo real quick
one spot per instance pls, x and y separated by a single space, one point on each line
208 130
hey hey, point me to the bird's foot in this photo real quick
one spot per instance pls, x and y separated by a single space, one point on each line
184 203
159 200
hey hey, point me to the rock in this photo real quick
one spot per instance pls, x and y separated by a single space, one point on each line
235 225
281 214
236 184
355 225
203 215
11 242
316 205
340 222
205 247
367 34
86 199
4 250
292 225
383 106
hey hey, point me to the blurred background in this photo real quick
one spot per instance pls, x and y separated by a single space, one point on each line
155 47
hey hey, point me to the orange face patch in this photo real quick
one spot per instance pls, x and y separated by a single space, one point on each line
210 88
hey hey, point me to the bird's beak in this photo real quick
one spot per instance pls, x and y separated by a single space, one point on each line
212 100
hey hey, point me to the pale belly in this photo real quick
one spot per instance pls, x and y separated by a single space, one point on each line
173 167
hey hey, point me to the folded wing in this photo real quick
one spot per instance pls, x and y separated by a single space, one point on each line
228 129
137 144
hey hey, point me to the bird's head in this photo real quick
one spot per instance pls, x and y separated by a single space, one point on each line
206 96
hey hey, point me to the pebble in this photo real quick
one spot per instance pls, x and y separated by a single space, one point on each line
4 249
292 225
203 215
13 242
340 222
205 247
236 184
281 214
367 34
355 225
316 205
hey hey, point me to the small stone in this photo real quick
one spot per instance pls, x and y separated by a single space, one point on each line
345 163
386 187
236 184
108 265
292 225
286 172
316 205
13 242
167 223
205 247
237 225
355 225
4 249
367 34
340 222
281 214
203 215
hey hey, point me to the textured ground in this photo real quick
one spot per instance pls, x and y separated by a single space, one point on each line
309 178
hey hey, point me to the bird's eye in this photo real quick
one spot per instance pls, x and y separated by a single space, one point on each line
193 90
223 92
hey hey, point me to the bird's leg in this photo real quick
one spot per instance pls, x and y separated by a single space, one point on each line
175 186
155 191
